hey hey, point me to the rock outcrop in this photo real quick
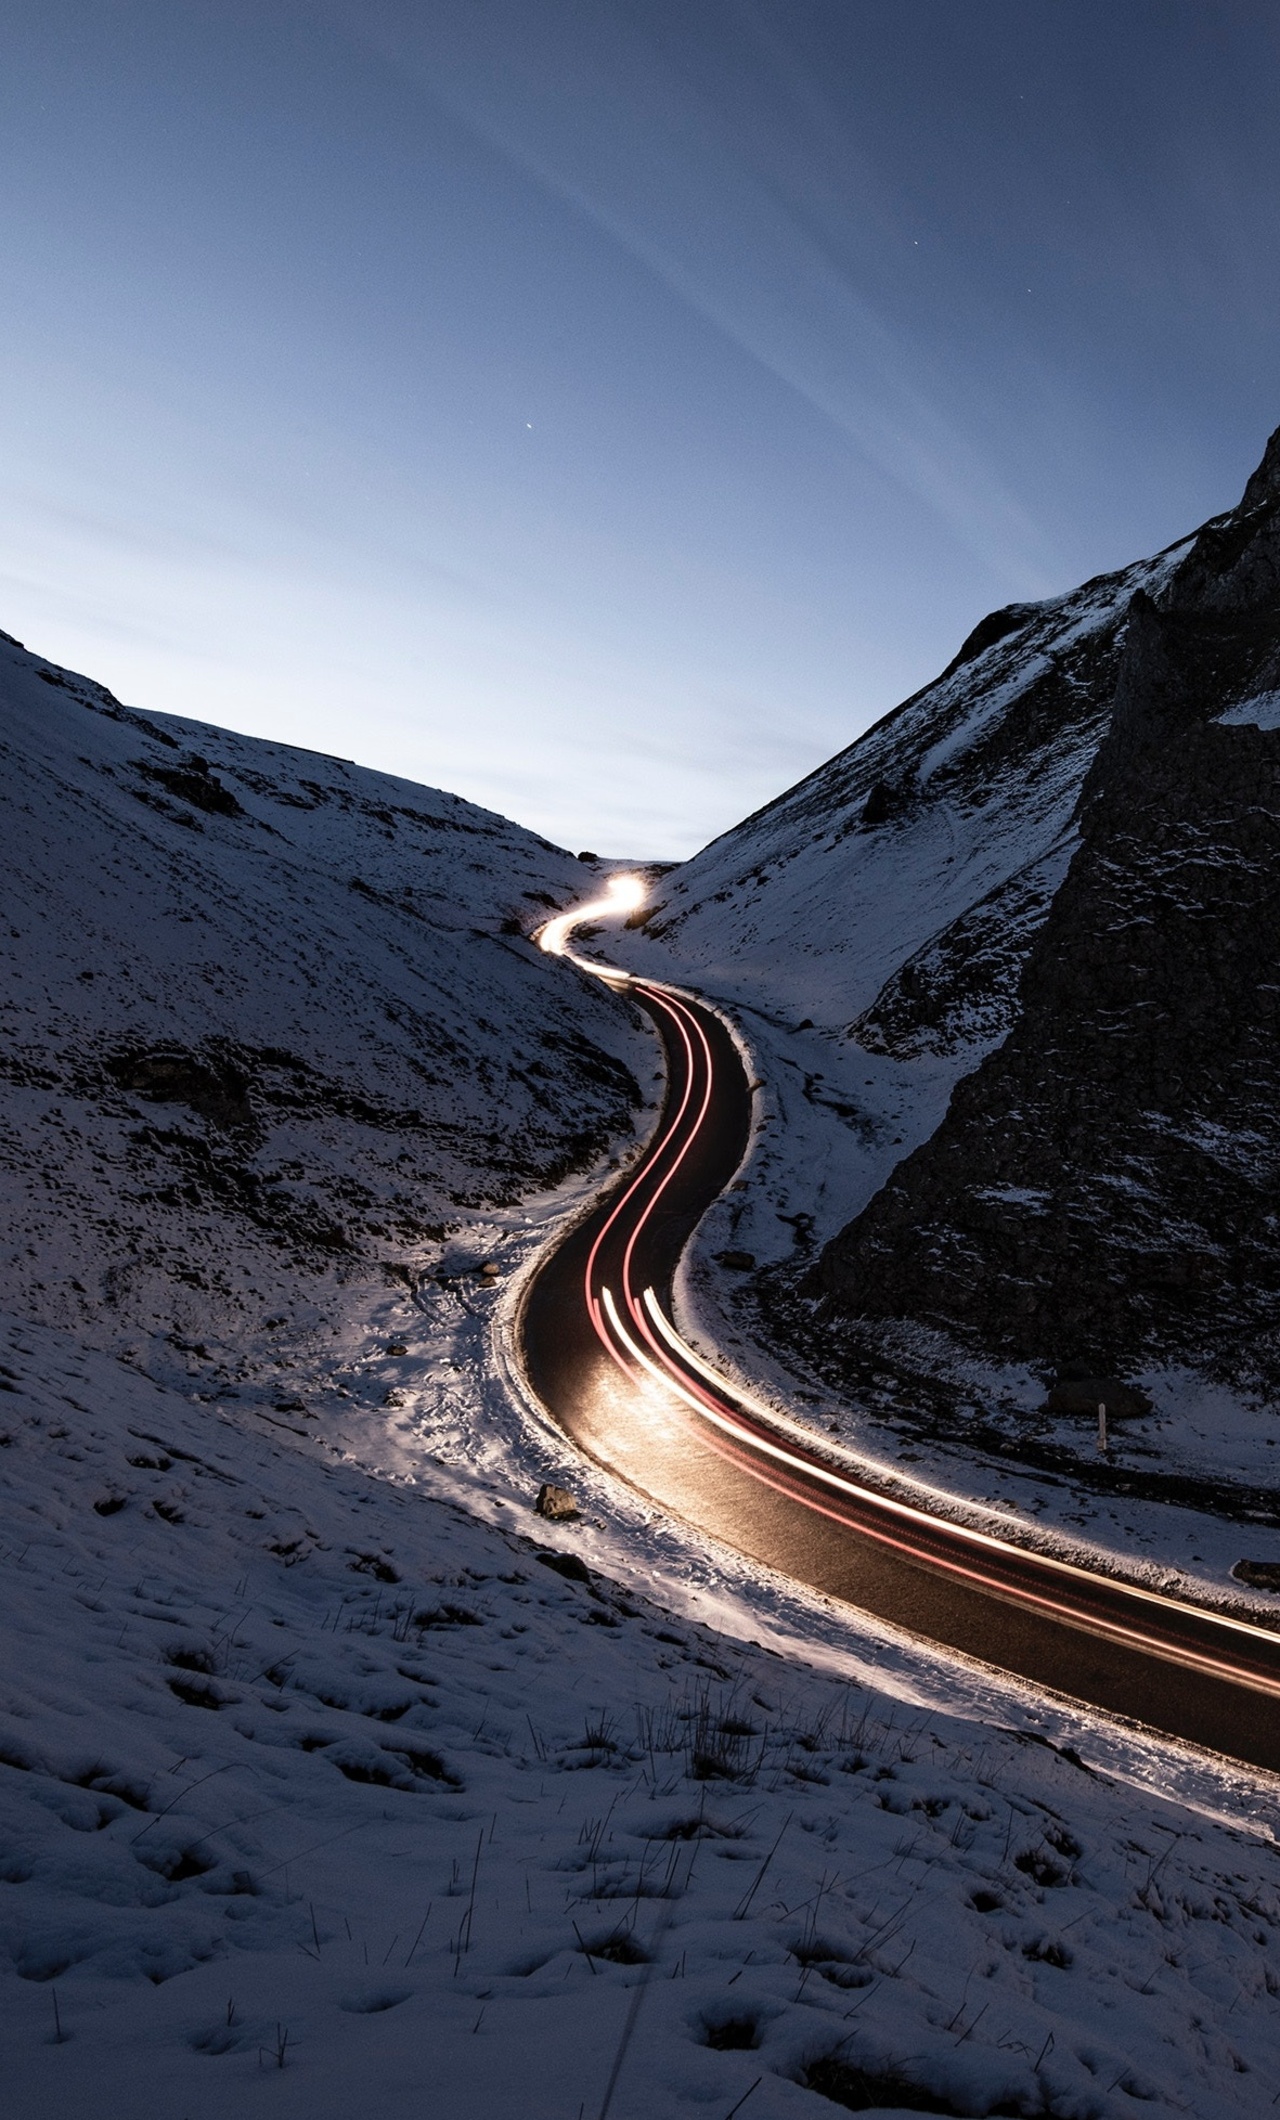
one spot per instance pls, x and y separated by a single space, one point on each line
1103 1187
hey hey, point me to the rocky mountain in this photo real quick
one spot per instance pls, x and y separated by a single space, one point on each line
896 890
1007 964
1102 1190
271 1027
868 928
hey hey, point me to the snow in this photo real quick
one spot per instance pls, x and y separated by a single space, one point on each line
801 922
271 1030
322 1794
332 1781
1261 712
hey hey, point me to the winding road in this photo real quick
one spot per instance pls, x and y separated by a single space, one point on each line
602 1355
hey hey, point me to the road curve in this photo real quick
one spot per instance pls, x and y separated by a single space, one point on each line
601 1354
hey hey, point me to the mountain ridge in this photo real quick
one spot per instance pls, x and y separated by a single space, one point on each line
881 931
1156 954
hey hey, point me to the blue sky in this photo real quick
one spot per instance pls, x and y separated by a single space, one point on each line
606 410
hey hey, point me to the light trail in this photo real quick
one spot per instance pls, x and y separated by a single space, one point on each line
779 1454
623 894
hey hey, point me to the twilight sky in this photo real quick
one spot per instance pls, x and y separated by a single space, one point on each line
607 408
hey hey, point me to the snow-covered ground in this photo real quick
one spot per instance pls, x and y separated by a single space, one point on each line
333 1780
270 1029
327 1793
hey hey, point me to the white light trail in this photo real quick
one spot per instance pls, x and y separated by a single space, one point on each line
623 894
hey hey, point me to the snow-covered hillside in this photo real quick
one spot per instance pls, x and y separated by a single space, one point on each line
1000 967
868 928
1102 1191
321 1795
332 1779
271 1030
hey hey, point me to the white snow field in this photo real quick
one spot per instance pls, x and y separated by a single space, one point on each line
335 1783
322 1795
271 1029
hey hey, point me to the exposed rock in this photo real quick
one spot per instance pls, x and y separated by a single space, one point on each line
1084 1395
996 626
738 1261
566 1564
962 987
1107 1177
193 782
215 1087
556 1503
884 800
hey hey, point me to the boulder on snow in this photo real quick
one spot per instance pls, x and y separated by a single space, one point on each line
1260 1575
555 1502
1071 1392
212 1086
738 1261
884 801
569 1565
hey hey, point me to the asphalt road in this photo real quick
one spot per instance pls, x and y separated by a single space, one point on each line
604 1359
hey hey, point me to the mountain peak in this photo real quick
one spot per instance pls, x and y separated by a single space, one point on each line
1264 483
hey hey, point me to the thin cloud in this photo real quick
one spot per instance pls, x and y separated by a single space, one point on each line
727 243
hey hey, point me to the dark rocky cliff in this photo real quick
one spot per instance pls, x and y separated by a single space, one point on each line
1103 1187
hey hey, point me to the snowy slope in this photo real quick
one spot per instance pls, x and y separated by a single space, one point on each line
1102 1191
322 1796
333 1782
868 928
817 900
1002 965
271 1029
